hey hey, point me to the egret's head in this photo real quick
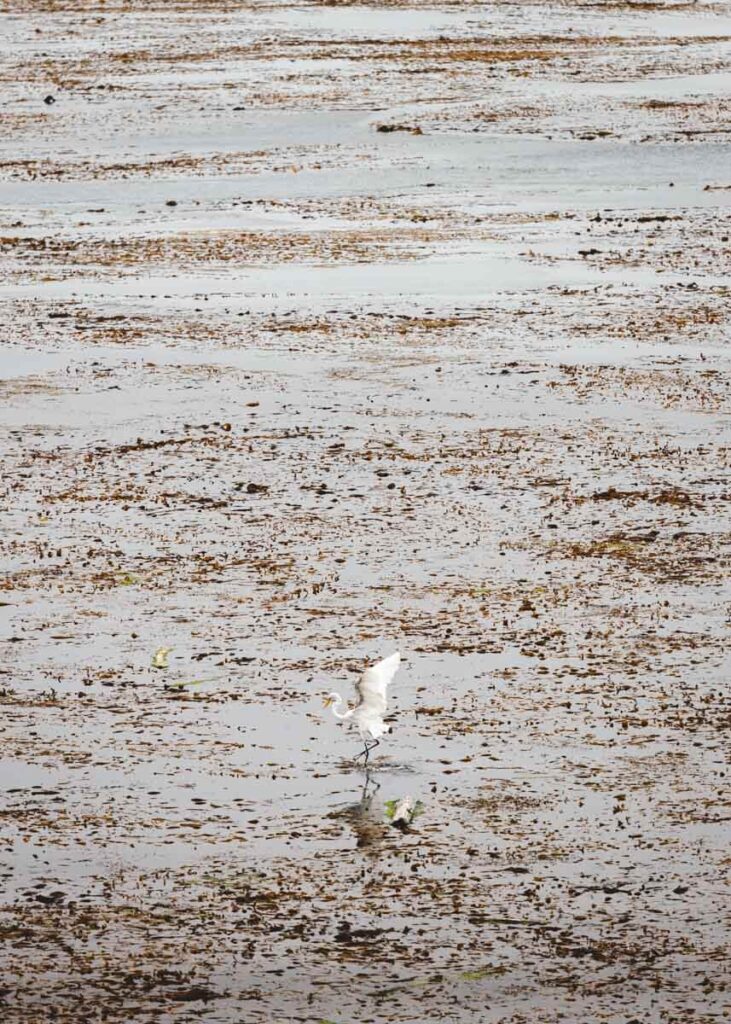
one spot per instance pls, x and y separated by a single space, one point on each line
330 700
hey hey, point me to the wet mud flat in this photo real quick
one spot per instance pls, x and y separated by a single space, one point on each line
330 330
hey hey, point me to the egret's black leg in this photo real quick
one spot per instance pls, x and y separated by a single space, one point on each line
366 752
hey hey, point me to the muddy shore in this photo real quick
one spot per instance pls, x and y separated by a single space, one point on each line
330 330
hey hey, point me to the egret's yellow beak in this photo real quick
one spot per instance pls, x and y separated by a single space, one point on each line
327 701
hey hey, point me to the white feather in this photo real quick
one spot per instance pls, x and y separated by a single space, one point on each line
372 686
372 693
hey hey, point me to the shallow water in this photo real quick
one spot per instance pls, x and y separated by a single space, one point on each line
284 393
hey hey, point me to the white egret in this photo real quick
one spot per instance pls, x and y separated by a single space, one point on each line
367 715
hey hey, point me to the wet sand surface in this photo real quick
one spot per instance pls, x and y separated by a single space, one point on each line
330 330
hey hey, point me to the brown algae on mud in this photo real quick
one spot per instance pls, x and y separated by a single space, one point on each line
330 330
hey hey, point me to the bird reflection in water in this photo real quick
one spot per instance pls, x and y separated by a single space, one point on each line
366 818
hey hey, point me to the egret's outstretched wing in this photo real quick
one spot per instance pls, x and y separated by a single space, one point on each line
372 686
